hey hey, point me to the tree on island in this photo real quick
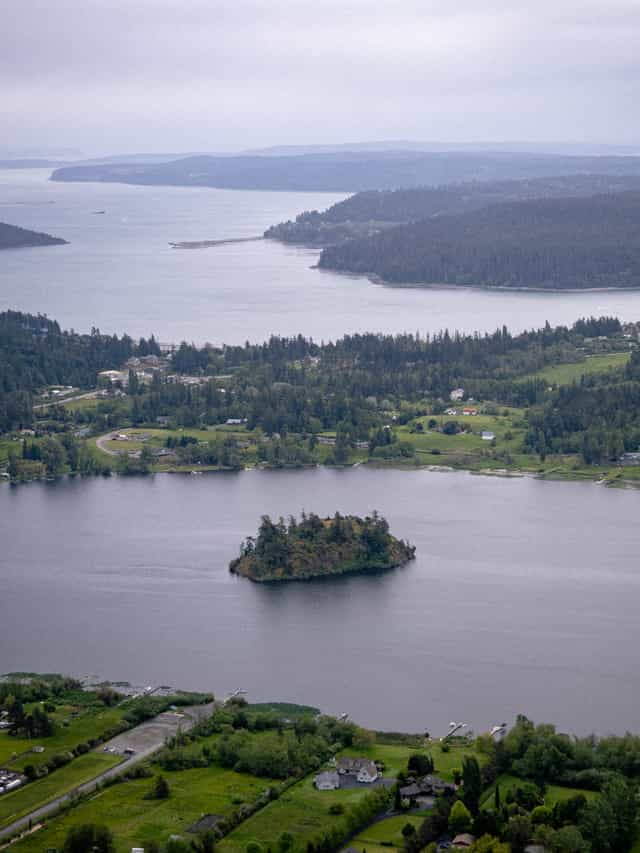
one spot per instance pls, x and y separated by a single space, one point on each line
314 546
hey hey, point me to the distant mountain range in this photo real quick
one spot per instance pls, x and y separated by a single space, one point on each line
347 171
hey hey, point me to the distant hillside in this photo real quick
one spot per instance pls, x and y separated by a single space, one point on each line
12 237
366 213
571 243
348 171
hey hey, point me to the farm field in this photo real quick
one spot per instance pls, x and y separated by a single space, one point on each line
564 374
38 793
91 722
137 821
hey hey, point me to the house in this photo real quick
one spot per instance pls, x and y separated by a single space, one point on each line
235 421
327 781
487 435
451 412
457 394
368 772
468 411
363 769
114 376
465 839
435 785
629 459
410 792
326 439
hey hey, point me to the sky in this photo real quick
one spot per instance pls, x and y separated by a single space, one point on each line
112 76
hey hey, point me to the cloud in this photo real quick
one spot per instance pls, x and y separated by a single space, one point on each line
207 74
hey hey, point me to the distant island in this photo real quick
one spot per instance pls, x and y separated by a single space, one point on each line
346 171
317 547
13 237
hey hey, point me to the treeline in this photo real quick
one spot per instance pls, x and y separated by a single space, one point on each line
365 213
35 353
598 417
570 243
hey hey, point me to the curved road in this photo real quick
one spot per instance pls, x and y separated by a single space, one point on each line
100 443
146 739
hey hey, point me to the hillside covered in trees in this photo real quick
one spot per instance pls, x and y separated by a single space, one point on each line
35 352
296 402
560 243
366 213
315 547
13 237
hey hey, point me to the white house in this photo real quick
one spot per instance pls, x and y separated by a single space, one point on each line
363 769
487 435
457 394
368 772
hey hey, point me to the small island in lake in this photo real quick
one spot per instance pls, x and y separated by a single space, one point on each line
317 547
13 237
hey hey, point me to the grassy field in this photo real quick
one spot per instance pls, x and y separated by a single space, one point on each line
304 811
388 830
554 793
564 374
82 769
301 810
91 722
136 821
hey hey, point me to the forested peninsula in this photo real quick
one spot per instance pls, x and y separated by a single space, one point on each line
13 237
367 213
547 244
317 547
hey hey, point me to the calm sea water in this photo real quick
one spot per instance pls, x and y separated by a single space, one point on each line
523 596
119 273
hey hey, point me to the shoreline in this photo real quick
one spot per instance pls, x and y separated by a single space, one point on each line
597 477
374 278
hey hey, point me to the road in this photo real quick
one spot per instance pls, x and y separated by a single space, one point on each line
101 443
89 395
145 739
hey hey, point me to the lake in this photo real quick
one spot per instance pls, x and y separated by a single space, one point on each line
120 274
523 597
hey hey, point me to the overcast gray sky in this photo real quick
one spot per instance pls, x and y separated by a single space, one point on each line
187 75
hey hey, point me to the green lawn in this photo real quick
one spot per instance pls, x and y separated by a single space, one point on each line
564 374
301 810
91 722
304 811
136 821
554 793
389 830
82 769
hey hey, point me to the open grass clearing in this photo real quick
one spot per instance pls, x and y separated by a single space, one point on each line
90 723
388 830
136 821
38 793
565 374
301 810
